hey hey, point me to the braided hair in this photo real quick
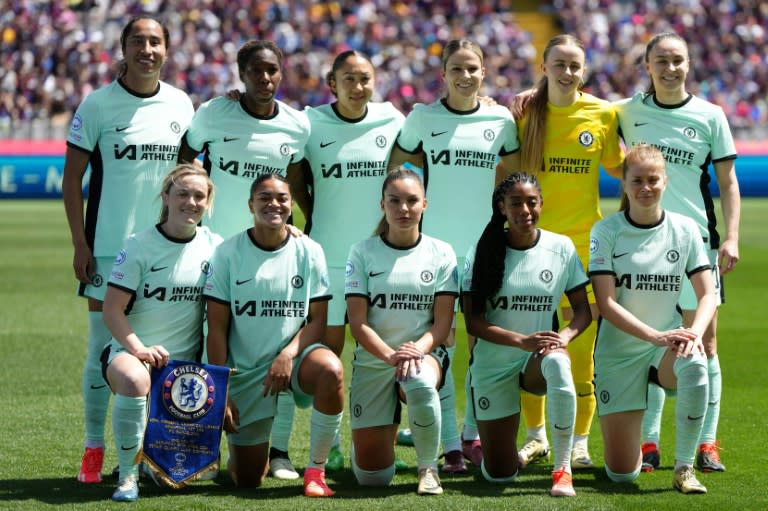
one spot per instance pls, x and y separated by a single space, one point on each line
488 270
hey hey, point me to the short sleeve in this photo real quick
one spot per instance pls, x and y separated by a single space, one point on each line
600 246
448 278
511 142
319 274
355 279
697 256
196 133
409 138
613 154
466 272
85 130
128 267
576 275
217 282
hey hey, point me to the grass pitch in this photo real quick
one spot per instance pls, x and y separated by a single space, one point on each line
42 346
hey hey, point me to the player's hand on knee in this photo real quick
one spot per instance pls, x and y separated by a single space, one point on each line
231 417
156 356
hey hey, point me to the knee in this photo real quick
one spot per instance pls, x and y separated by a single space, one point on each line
132 382
321 370
691 371
330 375
556 369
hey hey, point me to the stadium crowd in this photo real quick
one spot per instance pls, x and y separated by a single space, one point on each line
54 53
727 42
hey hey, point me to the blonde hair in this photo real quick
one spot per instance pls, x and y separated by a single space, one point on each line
532 145
640 153
178 172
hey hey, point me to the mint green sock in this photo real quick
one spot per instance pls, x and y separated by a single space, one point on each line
561 406
283 423
323 431
651 425
709 431
469 431
449 433
128 422
96 392
691 406
424 415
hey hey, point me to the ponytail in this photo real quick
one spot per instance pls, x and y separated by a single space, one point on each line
532 146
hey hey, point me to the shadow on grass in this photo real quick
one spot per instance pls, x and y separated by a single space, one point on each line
534 481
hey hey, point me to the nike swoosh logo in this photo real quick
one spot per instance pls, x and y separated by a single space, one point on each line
124 448
231 139
97 387
695 418
586 395
121 129
153 269
241 282
326 144
640 124
375 274
423 425
616 256
714 403
563 428
438 133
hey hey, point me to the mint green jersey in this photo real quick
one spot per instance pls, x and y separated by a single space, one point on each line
691 136
166 276
649 264
133 141
348 161
268 293
535 280
240 146
461 151
400 285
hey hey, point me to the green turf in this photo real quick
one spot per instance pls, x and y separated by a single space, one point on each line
42 345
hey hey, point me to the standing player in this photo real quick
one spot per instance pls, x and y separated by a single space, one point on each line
267 303
401 287
514 280
129 133
465 149
691 134
638 261
257 135
150 330
244 139
565 135
346 161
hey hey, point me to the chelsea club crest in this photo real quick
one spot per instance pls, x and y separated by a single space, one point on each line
188 392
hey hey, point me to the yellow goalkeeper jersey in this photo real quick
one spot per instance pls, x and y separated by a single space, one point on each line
579 138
